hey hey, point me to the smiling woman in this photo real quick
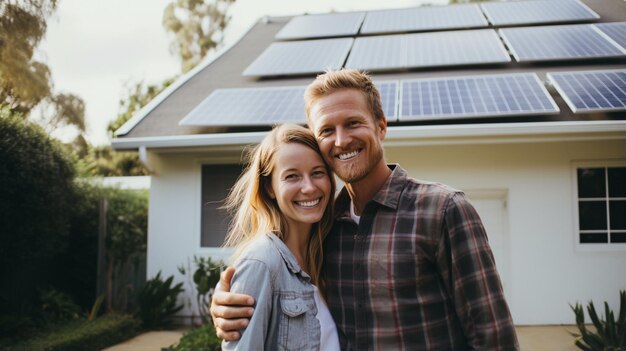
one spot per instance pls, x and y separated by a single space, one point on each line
282 213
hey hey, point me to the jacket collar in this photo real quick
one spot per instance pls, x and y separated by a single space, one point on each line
287 256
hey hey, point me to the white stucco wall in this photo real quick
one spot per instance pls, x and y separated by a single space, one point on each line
545 270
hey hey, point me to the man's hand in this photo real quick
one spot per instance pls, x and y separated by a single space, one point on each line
230 312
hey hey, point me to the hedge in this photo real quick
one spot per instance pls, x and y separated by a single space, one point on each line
82 335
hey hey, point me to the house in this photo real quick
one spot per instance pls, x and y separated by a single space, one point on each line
483 97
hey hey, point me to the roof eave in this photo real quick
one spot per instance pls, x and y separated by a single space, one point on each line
416 135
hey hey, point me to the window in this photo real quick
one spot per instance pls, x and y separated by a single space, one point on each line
601 205
216 183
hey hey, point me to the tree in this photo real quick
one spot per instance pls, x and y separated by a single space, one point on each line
198 27
25 82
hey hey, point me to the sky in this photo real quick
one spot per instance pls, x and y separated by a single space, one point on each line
96 49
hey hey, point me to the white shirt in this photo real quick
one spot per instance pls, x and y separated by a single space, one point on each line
329 338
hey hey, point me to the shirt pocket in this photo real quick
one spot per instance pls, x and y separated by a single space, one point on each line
296 322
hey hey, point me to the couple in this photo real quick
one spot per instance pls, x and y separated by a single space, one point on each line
405 266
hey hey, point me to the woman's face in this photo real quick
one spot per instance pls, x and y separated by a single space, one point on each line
300 185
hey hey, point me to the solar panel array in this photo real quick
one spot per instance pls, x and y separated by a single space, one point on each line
319 26
591 91
268 106
538 11
565 42
475 96
300 57
390 52
616 31
424 18
249 107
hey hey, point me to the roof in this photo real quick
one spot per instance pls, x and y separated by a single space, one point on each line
157 124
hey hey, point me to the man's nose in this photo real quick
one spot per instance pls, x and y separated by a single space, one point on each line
342 138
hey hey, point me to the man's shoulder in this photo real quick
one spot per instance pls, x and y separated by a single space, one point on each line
430 188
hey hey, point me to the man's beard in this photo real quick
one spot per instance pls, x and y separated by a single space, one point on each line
357 171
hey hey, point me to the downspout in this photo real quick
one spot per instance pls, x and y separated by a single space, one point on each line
143 158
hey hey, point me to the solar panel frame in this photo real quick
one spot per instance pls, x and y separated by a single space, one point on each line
562 42
528 97
537 12
300 57
423 19
578 97
322 26
249 107
616 31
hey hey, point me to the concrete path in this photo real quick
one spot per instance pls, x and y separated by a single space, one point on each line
531 338
150 341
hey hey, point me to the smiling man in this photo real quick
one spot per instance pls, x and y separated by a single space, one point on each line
407 265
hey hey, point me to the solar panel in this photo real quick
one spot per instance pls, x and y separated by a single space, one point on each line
480 46
567 42
249 107
390 52
616 31
423 19
591 91
539 11
389 95
319 26
474 96
378 53
300 57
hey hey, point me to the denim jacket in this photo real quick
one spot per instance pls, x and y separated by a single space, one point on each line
285 309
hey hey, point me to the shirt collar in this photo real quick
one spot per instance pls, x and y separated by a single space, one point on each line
388 195
288 257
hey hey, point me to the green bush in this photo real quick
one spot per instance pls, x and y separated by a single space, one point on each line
609 334
36 193
157 302
205 276
198 339
82 335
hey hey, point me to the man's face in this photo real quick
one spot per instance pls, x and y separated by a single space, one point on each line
348 136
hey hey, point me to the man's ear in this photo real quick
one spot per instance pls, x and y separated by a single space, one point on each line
382 128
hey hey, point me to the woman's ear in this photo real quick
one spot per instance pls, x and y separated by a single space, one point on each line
267 184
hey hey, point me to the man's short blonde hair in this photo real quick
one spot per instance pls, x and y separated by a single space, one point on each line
334 80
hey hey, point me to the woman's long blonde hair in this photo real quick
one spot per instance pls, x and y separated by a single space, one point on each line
255 212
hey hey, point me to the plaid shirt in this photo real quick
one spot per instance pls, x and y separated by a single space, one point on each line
417 273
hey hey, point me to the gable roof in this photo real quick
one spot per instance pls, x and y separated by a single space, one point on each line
157 124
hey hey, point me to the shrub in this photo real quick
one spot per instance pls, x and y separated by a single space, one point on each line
609 335
82 335
157 302
205 276
198 339
36 193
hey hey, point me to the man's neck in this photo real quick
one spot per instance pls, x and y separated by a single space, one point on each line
364 190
